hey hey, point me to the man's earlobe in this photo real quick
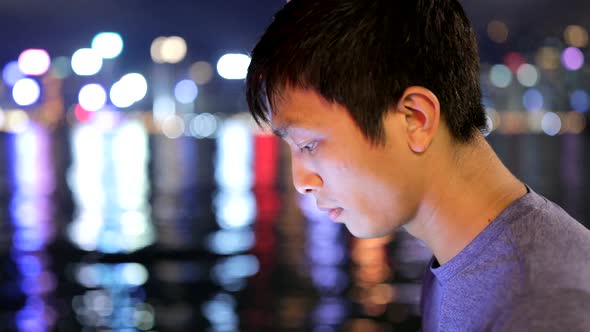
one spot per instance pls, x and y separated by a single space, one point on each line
422 114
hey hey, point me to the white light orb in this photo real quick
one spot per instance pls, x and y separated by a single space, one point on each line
92 97
233 66
108 44
26 92
34 62
86 62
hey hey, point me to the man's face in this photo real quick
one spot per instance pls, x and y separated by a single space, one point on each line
372 189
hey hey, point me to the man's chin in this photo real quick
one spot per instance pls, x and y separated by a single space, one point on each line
368 233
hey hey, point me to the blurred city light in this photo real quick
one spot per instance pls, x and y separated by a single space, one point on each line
514 60
229 242
34 62
130 150
233 66
173 49
532 100
60 67
92 97
186 91
548 58
203 125
156 50
11 73
235 209
580 100
527 75
130 89
136 85
86 62
234 269
551 124
16 121
221 312
82 114
201 72
572 58
120 96
168 49
498 31
164 106
576 36
500 76
173 126
108 44
26 92
234 157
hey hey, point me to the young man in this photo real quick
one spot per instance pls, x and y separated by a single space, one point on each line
380 103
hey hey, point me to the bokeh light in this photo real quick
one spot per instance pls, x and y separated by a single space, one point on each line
34 62
527 75
548 58
498 31
514 60
572 58
576 36
186 91
156 50
120 96
26 92
108 44
130 89
86 62
201 72
500 76
173 126
233 66
11 73
203 125
92 97
551 124
532 100
580 100
574 123
171 49
60 67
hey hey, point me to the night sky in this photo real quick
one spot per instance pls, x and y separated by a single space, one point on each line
214 27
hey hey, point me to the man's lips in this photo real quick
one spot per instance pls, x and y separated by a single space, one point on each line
333 213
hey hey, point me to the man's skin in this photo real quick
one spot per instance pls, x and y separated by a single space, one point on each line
441 191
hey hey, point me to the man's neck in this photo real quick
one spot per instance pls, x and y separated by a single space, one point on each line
463 197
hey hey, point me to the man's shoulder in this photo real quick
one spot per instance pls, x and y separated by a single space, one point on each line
552 248
543 227
549 309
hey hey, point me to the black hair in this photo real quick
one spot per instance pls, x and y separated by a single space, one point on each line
363 54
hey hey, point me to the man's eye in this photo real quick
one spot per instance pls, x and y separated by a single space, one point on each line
308 147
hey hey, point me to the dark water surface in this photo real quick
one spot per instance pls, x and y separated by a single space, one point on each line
115 229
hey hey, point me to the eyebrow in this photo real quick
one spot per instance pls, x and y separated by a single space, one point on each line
281 132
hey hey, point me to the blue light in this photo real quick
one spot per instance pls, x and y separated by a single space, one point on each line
532 100
186 91
11 73
580 100
30 265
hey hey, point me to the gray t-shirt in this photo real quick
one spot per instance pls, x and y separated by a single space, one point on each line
528 270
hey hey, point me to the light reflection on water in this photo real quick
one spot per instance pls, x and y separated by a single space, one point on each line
206 235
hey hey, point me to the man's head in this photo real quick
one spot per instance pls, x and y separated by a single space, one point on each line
351 80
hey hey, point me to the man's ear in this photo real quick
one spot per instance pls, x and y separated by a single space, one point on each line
422 116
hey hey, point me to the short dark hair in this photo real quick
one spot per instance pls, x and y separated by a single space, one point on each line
363 54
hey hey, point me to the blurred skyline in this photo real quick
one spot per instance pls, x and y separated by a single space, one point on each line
211 28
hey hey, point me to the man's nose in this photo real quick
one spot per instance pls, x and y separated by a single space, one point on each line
305 180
